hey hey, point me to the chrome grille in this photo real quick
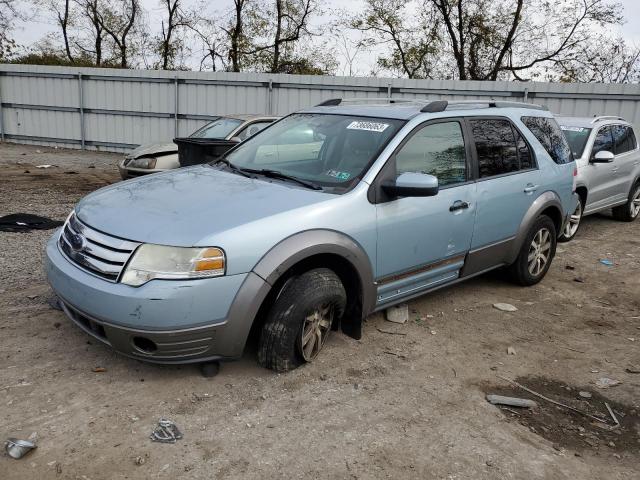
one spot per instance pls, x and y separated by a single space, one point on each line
100 254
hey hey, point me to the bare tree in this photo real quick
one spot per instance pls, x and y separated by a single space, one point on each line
64 18
9 13
91 11
413 42
118 21
170 44
488 38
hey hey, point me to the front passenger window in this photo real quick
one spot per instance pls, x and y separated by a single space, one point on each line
438 150
603 142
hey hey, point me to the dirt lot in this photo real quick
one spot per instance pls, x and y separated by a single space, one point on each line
409 405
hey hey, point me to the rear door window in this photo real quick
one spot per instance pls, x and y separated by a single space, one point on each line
550 136
496 147
623 139
603 141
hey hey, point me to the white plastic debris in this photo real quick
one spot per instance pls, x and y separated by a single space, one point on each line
398 314
604 382
505 307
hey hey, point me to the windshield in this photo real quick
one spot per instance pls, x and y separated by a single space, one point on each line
219 128
577 138
328 150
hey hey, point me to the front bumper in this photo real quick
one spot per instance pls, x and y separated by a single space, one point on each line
162 321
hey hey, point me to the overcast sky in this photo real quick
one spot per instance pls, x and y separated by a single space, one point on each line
34 30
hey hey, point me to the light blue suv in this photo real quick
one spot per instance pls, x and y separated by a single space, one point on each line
326 216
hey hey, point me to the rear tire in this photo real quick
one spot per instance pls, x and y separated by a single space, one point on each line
573 224
536 253
300 320
630 210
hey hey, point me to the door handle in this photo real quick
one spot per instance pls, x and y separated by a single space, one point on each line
530 188
458 205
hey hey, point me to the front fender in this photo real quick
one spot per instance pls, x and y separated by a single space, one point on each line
303 245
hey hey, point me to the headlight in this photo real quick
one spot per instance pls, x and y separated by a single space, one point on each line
145 162
173 263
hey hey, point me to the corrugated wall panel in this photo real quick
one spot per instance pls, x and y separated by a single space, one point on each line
152 95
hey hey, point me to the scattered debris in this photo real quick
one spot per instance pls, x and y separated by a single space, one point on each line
46 165
398 314
539 395
511 401
166 432
615 419
98 369
389 332
511 351
400 355
141 459
578 279
632 369
23 222
585 394
607 262
602 302
569 267
505 307
604 382
17 448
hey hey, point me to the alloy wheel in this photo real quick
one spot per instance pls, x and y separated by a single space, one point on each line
539 252
316 330
635 204
572 225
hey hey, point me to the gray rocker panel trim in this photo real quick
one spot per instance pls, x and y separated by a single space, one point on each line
314 242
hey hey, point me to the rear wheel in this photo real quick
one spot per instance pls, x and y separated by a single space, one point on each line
630 210
573 224
300 320
536 254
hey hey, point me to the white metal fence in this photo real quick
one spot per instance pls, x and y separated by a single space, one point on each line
115 110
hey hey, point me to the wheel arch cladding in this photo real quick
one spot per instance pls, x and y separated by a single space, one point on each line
322 248
582 191
548 203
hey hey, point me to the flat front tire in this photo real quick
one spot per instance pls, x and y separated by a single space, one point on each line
536 253
630 210
300 320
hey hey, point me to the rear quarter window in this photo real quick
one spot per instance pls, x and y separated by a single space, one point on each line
550 136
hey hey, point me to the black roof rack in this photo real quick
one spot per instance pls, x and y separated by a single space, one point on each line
433 106
442 105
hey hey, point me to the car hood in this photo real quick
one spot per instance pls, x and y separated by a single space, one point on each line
183 207
153 149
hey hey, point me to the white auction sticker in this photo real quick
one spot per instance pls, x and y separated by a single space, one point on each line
369 126
573 129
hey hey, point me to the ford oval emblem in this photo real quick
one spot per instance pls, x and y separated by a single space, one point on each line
77 242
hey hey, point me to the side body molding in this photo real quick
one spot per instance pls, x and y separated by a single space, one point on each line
301 246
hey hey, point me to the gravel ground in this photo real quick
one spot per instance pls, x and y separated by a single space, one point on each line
403 405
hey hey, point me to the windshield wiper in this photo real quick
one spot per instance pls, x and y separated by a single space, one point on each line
278 174
240 171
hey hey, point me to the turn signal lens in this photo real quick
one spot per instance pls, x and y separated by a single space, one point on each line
210 259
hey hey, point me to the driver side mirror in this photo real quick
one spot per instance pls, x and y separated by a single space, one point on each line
411 184
235 139
602 156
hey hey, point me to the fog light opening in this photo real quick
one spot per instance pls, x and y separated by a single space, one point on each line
145 345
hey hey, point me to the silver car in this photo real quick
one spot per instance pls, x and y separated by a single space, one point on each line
608 168
158 157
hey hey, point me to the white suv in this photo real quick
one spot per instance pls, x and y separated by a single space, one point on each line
608 160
